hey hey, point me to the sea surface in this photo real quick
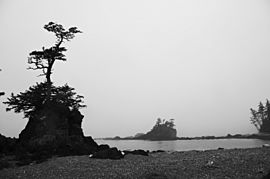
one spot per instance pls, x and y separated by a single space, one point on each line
184 145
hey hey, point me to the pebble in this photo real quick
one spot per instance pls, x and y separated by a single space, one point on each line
266 145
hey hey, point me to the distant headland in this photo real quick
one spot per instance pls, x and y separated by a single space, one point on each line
261 136
164 130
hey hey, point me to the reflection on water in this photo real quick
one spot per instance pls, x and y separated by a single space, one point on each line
184 145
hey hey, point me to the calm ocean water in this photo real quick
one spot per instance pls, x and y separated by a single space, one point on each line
184 145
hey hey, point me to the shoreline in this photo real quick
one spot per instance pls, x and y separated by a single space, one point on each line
236 136
225 163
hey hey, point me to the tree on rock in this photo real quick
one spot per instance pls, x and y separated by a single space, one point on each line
54 123
32 99
44 59
45 93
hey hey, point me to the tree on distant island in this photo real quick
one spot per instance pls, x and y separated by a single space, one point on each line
169 124
261 118
162 130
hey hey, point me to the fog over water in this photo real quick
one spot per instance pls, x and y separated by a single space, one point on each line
202 63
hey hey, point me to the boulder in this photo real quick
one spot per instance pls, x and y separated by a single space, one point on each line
57 130
111 153
158 151
136 152
103 147
266 145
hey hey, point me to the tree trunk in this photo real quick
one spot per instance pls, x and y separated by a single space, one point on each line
49 81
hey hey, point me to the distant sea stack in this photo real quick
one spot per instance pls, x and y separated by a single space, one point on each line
162 130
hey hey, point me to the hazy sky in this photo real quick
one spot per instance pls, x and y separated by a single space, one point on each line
203 63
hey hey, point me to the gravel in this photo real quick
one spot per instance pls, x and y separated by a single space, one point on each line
227 163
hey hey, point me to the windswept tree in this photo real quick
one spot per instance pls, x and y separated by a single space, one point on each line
37 96
54 125
159 122
261 118
32 99
171 123
164 123
44 59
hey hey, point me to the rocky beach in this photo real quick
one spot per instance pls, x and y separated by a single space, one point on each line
200 69
222 163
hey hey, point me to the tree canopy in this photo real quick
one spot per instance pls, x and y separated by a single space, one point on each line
261 118
37 96
44 59
164 123
33 99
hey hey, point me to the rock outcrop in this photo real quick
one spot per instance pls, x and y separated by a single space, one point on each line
7 145
161 131
57 130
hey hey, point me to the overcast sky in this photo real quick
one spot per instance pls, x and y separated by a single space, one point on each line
202 63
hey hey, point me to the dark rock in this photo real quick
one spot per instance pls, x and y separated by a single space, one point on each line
103 147
160 132
51 120
158 151
91 145
136 152
111 153
267 176
55 130
75 122
138 135
265 145
24 162
41 156
117 138
7 145
4 164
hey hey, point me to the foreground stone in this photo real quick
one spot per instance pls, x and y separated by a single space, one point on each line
110 153
136 152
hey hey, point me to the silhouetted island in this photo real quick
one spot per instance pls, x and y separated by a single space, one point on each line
162 130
